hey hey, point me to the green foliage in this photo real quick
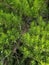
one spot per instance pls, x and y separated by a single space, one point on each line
24 32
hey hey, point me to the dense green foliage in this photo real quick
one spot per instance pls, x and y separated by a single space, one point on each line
24 32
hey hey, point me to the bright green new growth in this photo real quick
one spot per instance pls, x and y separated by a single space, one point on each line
24 32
